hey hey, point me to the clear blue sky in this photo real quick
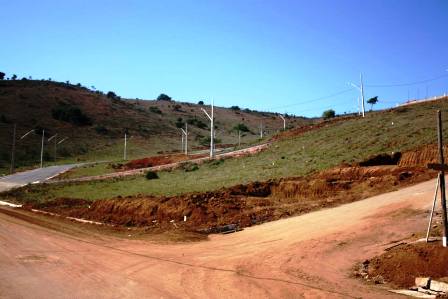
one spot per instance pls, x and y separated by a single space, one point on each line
261 54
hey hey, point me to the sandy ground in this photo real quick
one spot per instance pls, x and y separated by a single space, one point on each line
308 256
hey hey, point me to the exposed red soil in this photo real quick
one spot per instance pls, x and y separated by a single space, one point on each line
244 205
156 161
422 156
400 265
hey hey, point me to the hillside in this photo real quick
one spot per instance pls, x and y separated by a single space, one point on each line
299 153
94 123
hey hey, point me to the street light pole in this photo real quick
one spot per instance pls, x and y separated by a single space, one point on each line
361 90
284 122
212 129
55 141
185 132
42 149
125 146
13 151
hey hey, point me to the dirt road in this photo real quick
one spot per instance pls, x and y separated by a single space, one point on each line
308 256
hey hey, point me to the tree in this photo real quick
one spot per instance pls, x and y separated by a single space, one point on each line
241 127
201 103
163 97
235 108
372 101
328 114
14 77
2 76
111 95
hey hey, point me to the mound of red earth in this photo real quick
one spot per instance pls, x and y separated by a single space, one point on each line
402 264
422 156
156 161
244 205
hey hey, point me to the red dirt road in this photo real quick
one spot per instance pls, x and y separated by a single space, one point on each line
308 256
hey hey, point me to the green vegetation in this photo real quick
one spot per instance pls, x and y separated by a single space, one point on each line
151 175
163 97
372 101
71 114
348 141
155 109
328 114
241 127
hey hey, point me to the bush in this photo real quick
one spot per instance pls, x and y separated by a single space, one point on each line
197 122
328 114
163 97
111 95
155 110
151 175
206 141
241 127
179 123
201 103
71 114
189 167
235 108
101 130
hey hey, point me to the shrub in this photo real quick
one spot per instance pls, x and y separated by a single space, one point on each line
241 127
196 122
155 110
235 108
201 103
71 114
206 141
179 123
151 175
328 114
189 167
163 97
2 76
101 130
111 95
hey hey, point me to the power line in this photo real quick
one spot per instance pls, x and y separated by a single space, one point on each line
407 84
314 100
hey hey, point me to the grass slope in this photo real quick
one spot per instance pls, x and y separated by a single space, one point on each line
352 140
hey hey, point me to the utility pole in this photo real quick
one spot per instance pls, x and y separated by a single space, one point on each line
42 149
442 178
182 147
212 129
284 122
261 130
362 95
361 91
51 138
13 151
125 146
185 132
239 138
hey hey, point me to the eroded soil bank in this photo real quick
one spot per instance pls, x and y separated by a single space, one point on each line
244 205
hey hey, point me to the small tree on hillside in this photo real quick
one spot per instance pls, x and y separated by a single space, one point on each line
111 95
372 101
328 114
14 77
201 103
2 76
163 97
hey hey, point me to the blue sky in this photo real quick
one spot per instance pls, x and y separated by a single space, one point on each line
261 54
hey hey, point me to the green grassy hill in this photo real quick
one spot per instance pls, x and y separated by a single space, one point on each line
346 141
95 123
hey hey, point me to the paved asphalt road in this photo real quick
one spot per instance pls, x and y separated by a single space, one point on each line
35 175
